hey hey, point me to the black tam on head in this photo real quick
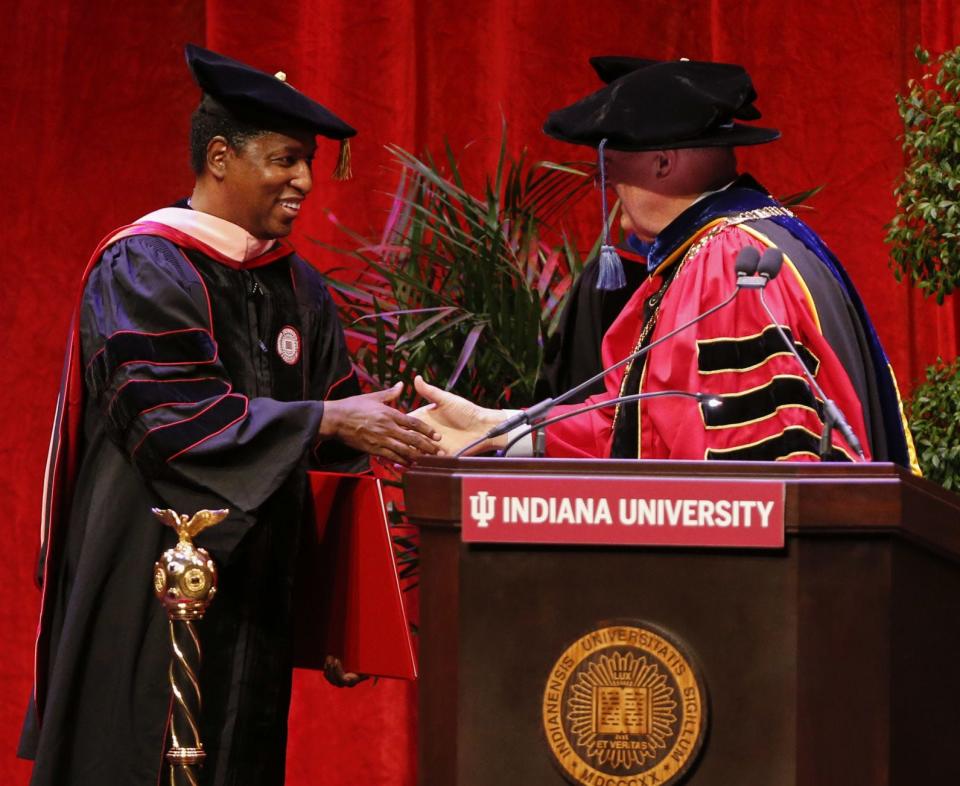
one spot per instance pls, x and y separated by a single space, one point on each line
247 91
611 67
662 105
255 99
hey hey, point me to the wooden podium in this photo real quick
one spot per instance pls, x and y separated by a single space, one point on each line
835 660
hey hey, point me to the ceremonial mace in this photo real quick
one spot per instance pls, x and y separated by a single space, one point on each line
185 581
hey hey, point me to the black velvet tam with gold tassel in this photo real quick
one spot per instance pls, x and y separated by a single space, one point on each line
266 101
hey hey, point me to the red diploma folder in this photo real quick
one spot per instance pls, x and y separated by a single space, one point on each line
348 596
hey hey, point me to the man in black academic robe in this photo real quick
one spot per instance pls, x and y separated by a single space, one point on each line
207 369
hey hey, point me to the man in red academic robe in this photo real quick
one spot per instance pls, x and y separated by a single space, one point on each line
666 133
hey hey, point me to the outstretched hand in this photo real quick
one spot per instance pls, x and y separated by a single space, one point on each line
367 424
457 420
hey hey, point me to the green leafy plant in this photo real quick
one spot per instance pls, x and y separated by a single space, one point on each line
924 235
464 287
934 415
924 238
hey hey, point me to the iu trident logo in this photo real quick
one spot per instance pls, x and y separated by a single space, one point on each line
482 507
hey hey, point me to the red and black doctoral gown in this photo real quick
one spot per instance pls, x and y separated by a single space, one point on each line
769 412
194 379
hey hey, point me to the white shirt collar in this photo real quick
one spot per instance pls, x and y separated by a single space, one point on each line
705 194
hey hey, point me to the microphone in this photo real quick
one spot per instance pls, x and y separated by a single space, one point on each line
746 261
768 268
749 274
745 264
770 263
703 398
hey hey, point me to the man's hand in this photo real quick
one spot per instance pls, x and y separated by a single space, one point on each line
337 676
459 421
368 424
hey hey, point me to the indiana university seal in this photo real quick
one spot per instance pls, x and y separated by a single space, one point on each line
625 706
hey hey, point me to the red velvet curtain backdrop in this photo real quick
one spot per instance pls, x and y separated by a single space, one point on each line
96 106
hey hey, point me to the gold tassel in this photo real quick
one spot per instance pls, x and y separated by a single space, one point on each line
343 170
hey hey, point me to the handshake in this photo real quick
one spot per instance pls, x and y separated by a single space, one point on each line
444 426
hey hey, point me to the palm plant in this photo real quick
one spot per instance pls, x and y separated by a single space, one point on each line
464 287
460 287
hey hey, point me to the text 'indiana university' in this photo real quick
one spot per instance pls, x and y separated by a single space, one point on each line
640 512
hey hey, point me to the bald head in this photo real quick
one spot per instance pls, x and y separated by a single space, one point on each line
656 186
